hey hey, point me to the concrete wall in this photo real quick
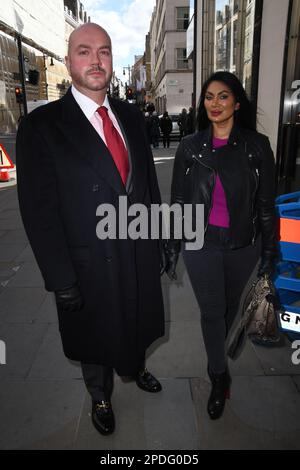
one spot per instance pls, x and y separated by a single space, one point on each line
44 23
274 24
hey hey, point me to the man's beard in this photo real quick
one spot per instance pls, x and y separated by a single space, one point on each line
84 82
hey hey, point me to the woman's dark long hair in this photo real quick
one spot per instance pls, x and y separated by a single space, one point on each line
243 117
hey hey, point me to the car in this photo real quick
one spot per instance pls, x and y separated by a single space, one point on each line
174 118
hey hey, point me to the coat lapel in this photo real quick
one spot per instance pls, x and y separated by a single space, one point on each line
86 141
137 149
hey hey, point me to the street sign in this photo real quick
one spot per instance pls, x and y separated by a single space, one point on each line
5 161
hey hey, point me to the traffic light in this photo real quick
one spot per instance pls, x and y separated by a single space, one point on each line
129 94
19 94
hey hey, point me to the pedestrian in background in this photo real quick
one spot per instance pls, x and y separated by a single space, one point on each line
182 123
190 125
155 133
148 126
150 108
166 127
73 155
229 168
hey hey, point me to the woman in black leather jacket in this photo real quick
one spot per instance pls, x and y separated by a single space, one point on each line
229 168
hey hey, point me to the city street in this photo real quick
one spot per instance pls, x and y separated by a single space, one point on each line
44 403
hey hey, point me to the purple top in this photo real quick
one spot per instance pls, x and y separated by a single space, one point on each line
219 214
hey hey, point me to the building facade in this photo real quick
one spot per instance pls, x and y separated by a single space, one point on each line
259 41
43 33
171 71
139 80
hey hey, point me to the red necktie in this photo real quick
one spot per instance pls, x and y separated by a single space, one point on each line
115 144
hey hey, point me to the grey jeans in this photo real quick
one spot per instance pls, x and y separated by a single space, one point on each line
218 276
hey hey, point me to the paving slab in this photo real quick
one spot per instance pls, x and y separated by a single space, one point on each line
247 364
50 361
28 275
180 302
11 202
8 252
47 312
172 424
13 236
296 380
13 223
21 304
272 404
22 345
277 360
26 255
39 414
8 198
263 413
12 213
161 421
7 271
182 354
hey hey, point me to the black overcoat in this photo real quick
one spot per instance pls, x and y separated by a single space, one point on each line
64 173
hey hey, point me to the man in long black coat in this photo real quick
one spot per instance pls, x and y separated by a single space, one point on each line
107 291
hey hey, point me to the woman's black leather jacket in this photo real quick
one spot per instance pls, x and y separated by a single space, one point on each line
246 169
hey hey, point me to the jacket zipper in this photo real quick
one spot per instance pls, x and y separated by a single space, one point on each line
254 218
214 183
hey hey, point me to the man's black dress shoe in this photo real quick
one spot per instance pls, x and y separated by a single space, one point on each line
147 382
103 417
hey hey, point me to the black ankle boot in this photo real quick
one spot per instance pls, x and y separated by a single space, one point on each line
219 392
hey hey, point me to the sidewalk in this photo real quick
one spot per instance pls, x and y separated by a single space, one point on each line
43 402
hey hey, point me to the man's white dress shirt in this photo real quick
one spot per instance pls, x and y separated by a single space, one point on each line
89 108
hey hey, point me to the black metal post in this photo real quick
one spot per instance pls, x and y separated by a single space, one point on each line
22 72
194 103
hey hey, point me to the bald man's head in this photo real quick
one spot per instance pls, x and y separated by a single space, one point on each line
89 60
86 27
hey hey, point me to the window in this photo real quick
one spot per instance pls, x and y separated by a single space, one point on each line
181 60
231 42
182 18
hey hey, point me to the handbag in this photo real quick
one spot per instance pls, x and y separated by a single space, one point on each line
259 318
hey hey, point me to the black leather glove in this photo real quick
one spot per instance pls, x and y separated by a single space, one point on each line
69 299
163 258
172 251
267 266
